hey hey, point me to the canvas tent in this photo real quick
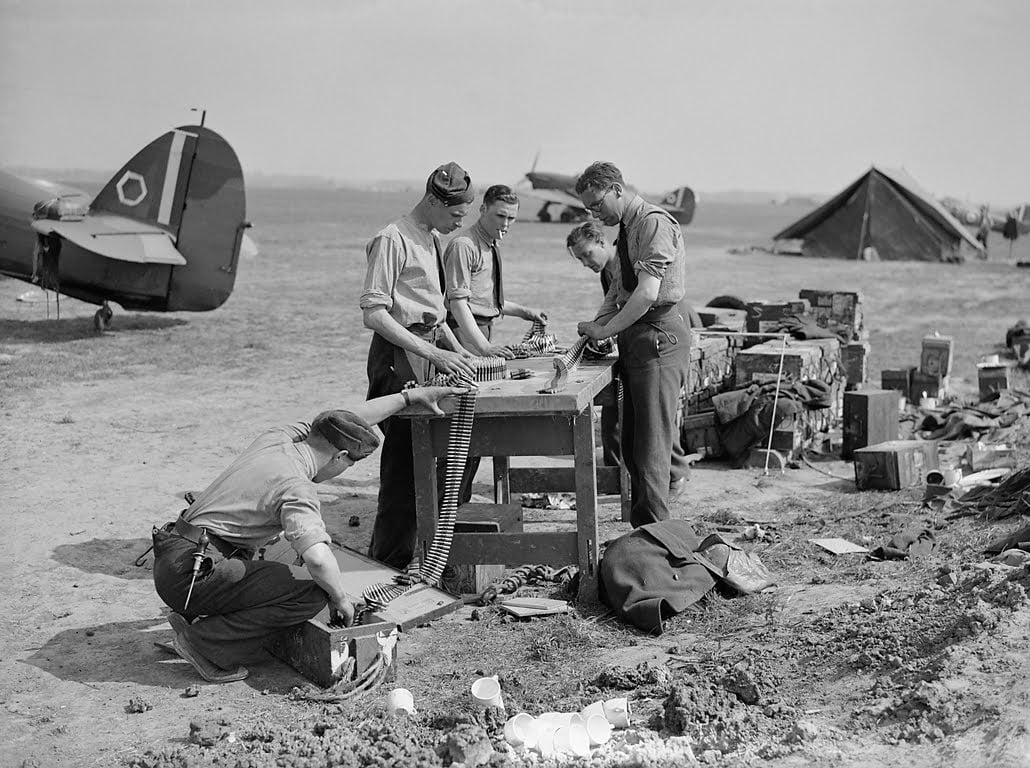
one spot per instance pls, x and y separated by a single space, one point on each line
882 215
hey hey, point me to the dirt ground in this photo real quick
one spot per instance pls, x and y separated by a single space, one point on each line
847 662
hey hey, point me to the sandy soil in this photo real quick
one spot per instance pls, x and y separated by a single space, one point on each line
854 663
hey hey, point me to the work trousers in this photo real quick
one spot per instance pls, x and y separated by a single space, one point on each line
394 530
654 357
241 603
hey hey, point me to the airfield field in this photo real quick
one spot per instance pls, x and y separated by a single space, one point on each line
847 662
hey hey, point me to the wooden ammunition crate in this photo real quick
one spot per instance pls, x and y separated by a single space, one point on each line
870 417
936 355
855 358
319 651
992 378
801 362
895 464
765 317
930 383
899 379
838 311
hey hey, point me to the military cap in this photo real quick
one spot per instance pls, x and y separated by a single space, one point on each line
451 185
347 431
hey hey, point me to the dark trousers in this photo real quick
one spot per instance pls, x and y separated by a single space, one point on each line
395 527
611 451
241 602
654 357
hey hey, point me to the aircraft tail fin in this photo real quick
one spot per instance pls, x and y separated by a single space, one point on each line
681 203
189 183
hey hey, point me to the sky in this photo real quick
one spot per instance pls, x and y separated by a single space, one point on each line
791 95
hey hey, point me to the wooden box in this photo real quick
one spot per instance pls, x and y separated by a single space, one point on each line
870 417
936 355
799 361
933 385
855 358
700 434
894 465
475 517
722 319
899 379
838 311
765 318
992 378
319 651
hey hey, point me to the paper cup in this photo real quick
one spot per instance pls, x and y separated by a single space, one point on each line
616 711
558 719
545 739
486 692
599 730
572 740
520 730
597 708
400 700
951 476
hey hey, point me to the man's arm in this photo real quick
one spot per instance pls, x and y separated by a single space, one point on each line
639 302
470 333
378 319
375 410
526 313
325 572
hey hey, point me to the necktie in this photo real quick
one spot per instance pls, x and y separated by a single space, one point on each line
629 278
498 287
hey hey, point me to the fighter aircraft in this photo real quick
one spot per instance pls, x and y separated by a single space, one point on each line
559 189
163 235
972 215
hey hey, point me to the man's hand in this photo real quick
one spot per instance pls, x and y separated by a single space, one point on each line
499 350
342 609
451 362
593 330
431 396
536 315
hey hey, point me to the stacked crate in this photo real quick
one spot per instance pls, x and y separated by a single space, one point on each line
837 311
711 369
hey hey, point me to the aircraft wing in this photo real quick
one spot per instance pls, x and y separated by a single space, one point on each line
116 237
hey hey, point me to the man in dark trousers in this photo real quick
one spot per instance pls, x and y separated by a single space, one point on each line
225 603
589 245
403 304
642 309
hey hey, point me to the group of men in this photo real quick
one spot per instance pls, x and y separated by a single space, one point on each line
431 309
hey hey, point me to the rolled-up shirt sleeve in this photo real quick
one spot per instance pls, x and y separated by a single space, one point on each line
458 262
301 518
385 262
657 246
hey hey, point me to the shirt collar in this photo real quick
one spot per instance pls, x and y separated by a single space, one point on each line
633 209
308 457
480 232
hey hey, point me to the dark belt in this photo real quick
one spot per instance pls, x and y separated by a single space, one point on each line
191 532
424 330
661 312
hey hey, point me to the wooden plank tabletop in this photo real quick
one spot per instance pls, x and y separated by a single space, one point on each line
522 396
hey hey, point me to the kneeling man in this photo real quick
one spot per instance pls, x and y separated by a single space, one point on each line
237 602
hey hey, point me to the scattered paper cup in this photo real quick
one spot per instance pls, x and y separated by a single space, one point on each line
486 692
597 708
616 711
572 739
545 739
520 730
400 700
951 476
599 730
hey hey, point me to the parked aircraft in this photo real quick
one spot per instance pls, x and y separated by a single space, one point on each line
972 215
559 189
163 235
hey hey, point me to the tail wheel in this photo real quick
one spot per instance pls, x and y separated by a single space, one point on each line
102 318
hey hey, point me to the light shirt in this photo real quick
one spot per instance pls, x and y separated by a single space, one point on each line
655 243
468 268
267 491
404 274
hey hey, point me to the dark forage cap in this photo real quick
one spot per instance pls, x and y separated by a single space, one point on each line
347 432
451 185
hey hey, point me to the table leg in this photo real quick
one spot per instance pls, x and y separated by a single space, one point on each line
502 490
586 492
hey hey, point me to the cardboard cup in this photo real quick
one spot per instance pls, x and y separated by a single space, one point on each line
486 692
545 738
597 708
400 700
599 730
572 740
520 730
557 719
617 712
